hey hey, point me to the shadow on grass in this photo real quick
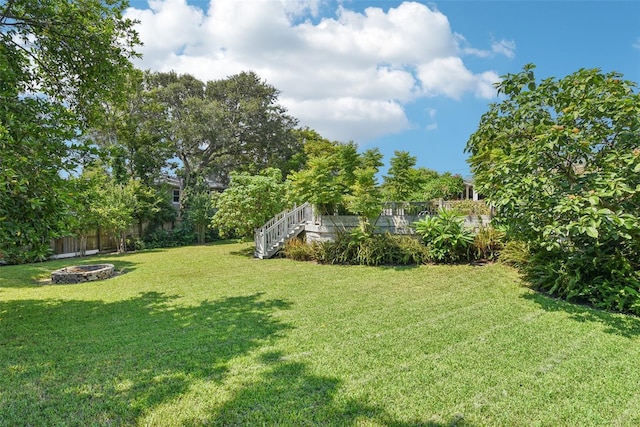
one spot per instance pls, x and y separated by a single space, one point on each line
35 275
247 252
288 394
615 323
94 363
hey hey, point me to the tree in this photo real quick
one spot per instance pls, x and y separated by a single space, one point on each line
58 61
234 124
327 175
403 180
365 199
348 160
372 158
336 178
134 132
86 191
249 202
259 132
34 201
114 208
199 208
560 159
439 186
73 52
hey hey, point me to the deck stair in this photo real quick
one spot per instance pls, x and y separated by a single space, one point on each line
272 236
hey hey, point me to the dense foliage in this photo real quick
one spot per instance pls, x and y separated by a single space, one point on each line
443 238
403 179
560 159
59 60
249 202
232 124
337 179
446 237
406 183
133 132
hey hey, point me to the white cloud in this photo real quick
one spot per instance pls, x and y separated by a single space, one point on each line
432 124
504 47
636 45
499 47
349 76
166 27
449 77
342 118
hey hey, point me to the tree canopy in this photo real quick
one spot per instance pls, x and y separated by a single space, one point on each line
73 51
233 124
59 60
249 202
560 159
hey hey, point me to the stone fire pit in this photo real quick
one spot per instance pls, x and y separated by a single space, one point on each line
82 273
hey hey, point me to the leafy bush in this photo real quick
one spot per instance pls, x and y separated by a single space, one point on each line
446 237
409 250
608 280
135 244
560 159
158 238
184 234
248 202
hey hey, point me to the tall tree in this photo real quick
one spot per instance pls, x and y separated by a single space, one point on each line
73 51
59 59
234 124
560 159
327 175
372 158
403 179
259 130
134 132
365 198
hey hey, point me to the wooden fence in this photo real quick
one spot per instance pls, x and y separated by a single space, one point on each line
97 241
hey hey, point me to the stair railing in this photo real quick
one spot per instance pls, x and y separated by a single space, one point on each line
278 228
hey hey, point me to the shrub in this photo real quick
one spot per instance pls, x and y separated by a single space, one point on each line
158 238
409 251
560 159
446 237
135 244
601 276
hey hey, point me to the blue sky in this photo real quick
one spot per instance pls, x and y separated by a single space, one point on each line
412 76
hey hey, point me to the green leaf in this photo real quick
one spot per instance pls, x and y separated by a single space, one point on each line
592 232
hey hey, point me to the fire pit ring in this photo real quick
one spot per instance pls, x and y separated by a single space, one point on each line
82 273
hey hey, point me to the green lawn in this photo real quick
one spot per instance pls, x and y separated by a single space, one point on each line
208 335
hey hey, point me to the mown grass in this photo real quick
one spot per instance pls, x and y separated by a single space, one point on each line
209 336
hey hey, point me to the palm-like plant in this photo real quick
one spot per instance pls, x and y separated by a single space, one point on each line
446 237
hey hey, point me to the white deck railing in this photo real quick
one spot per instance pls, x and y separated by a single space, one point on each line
270 236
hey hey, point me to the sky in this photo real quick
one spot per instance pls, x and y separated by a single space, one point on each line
414 76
